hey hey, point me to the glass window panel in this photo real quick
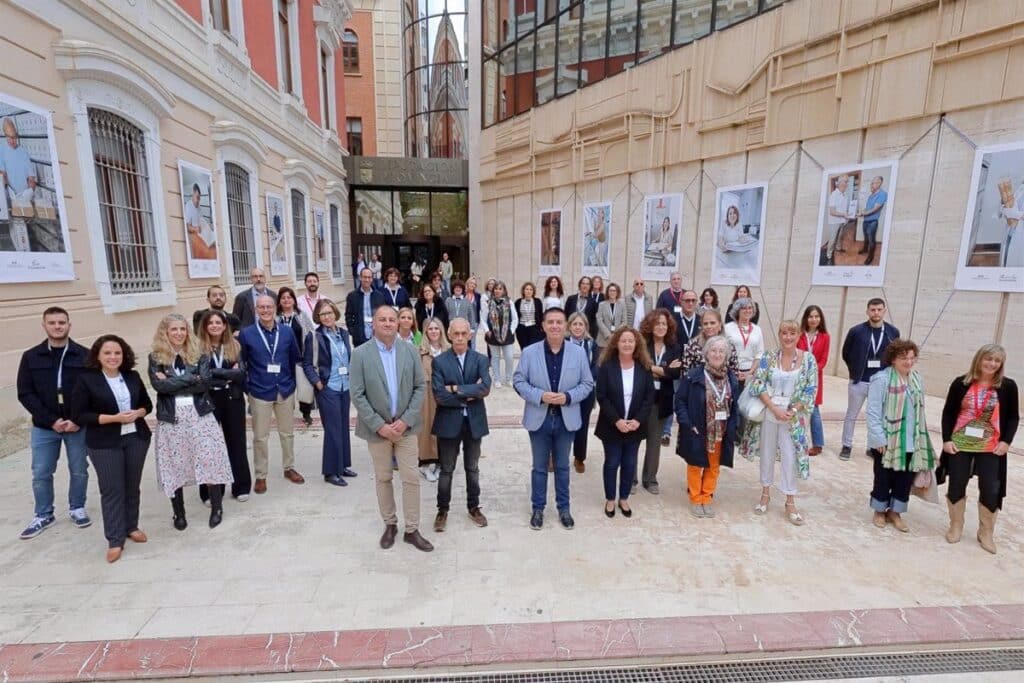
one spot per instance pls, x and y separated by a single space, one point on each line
568 53
595 23
450 213
412 213
655 28
491 26
525 17
692 20
421 8
768 4
545 62
334 217
729 12
437 7
523 78
621 35
300 244
372 212
489 114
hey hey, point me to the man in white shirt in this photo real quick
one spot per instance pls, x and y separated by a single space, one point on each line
308 301
638 304
838 206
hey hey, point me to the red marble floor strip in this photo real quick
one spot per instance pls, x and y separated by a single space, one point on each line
539 644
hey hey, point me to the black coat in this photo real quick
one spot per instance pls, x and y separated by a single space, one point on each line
37 381
92 397
612 402
691 414
321 371
195 382
440 312
229 379
665 396
590 310
354 313
243 308
474 384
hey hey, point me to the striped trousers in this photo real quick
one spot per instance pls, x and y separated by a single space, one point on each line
119 472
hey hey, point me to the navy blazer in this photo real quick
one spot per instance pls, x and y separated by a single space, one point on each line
93 397
610 398
354 313
322 371
474 384
691 413
401 298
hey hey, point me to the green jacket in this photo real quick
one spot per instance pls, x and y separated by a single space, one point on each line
369 389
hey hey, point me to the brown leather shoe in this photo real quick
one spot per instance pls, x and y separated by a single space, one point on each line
580 466
414 539
816 450
294 477
260 486
440 521
114 554
388 539
138 536
478 517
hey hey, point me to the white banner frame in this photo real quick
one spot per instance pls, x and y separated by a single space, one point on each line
725 263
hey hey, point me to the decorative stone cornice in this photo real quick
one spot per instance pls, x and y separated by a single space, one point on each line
330 17
82 59
231 133
335 190
297 169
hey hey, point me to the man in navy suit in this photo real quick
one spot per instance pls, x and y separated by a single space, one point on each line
553 378
460 381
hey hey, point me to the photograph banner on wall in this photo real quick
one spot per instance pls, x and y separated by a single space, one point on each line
739 237
275 228
854 224
200 230
663 219
597 238
550 242
992 246
319 240
35 243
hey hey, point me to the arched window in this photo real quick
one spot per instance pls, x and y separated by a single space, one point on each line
350 51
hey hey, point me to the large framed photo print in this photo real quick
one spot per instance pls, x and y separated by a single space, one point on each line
992 243
200 228
854 224
663 218
739 234
597 238
275 226
550 242
34 239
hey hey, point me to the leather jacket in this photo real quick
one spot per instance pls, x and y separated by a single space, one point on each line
195 382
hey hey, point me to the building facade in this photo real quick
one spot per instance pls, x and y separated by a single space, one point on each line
801 101
195 139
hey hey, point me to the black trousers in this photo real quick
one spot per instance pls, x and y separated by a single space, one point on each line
230 413
962 466
119 472
448 454
579 441
891 488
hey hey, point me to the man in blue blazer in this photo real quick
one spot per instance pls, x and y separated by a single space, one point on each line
460 380
553 378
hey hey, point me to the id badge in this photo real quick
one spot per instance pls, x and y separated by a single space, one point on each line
128 429
613 328
781 401
274 368
974 432
678 309
60 398
874 363
343 370
721 415
657 384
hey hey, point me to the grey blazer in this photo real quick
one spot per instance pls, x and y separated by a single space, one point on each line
531 381
368 388
631 307
607 323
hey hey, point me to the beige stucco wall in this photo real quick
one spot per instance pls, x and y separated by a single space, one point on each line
816 83
164 48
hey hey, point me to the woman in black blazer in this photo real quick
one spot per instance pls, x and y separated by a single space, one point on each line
658 328
625 392
528 331
430 305
111 401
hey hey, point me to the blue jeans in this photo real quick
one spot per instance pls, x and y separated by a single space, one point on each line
817 429
45 454
552 440
870 233
619 459
334 414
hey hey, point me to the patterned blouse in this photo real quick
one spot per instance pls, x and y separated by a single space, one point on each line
693 355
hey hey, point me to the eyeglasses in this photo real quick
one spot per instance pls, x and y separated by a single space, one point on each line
638 284
690 301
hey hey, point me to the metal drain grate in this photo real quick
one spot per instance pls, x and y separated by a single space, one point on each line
792 669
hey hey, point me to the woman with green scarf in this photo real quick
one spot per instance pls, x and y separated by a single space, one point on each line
500 331
897 433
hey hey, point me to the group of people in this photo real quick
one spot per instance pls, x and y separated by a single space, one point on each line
419 390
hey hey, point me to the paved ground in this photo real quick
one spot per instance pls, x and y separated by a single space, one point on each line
305 558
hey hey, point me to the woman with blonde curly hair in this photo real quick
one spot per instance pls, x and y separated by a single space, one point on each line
432 345
189 443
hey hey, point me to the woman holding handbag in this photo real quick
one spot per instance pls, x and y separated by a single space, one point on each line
785 383
705 408
499 323
979 421
288 313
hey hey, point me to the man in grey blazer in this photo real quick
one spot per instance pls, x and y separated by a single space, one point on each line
638 304
387 388
460 380
553 378
244 307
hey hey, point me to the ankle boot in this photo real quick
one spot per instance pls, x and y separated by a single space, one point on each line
986 527
178 504
216 505
956 519
871 254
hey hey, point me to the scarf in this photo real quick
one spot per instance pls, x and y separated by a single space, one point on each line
499 319
715 428
922 455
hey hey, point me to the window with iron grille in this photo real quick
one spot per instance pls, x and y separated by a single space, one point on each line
350 51
335 219
126 210
299 231
325 87
240 222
